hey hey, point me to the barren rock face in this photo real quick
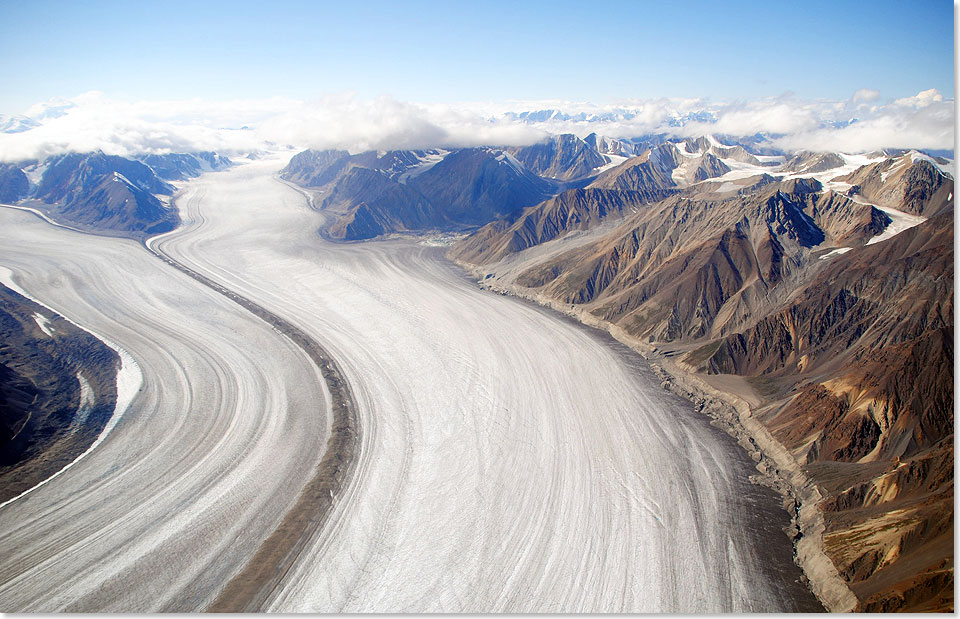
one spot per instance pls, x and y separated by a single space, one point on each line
910 183
562 157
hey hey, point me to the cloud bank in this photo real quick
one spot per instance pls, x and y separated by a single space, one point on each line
93 121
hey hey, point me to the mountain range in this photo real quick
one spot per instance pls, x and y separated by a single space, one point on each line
817 286
105 193
375 193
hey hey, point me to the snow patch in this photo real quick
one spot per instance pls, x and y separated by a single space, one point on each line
43 323
896 167
506 158
851 163
715 142
740 170
726 187
35 173
901 221
613 161
682 149
426 162
837 186
87 400
837 252
768 159
120 178
679 173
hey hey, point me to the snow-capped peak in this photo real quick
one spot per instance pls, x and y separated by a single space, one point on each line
715 142
945 169
16 124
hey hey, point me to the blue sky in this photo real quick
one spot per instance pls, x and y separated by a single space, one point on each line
472 51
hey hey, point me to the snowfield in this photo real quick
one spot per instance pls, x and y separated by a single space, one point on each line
900 221
510 460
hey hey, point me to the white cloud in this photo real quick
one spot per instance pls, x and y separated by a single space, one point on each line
94 121
345 122
763 115
921 99
865 94
924 121
91 121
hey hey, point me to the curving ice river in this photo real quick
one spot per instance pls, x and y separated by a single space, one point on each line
509 460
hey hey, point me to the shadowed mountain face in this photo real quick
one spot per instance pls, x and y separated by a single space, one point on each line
14 185
373 205
313 168
476 185
670 267
562 157
57 391
67 176
371 194
650 172
825 280
464 188
574 209
674 265
181 166
105 193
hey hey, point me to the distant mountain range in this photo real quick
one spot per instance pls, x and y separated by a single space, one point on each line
678 119
16 124
105 193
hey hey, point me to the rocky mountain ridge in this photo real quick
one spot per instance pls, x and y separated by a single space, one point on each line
818 286
564 157
458 189
105 193
371 194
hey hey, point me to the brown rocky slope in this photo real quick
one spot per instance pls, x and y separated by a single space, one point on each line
846 358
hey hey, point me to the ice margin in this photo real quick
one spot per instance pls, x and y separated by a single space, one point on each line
777 468
129 381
